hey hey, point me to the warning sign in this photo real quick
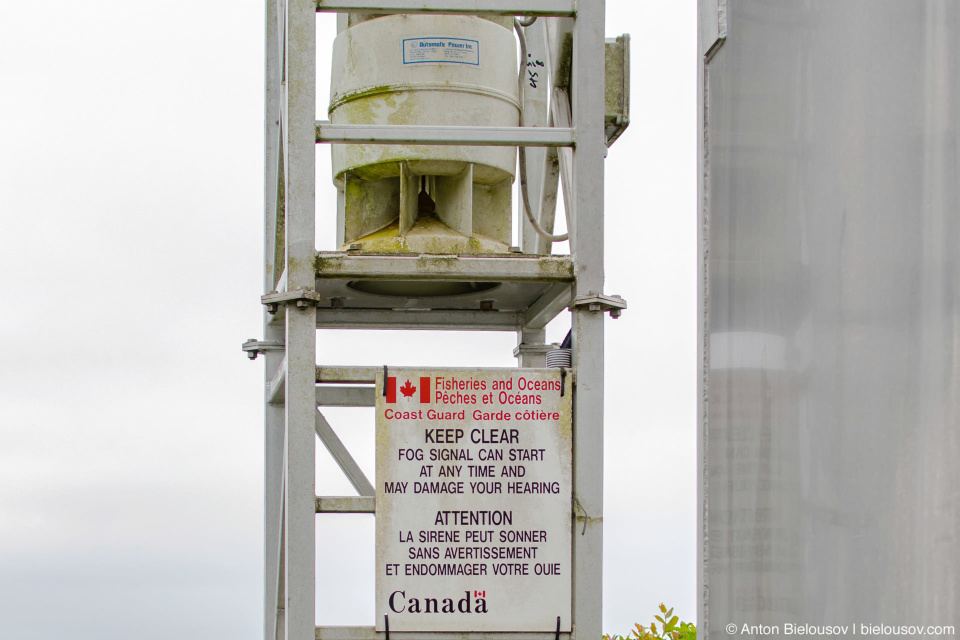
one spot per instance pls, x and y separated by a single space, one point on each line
474 476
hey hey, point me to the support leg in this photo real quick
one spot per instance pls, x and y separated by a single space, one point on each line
586 235
301 332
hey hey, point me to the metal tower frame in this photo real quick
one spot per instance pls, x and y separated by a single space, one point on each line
568 143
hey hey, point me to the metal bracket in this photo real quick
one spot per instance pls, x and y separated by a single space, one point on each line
303 297
596 301
617 97
255 347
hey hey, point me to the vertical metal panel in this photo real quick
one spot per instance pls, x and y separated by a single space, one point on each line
831 315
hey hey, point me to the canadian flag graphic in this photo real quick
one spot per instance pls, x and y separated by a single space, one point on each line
408 389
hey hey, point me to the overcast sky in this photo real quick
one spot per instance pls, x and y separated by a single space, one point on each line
131 166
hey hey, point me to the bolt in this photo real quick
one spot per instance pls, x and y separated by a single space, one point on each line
272 308
302 304
486 305
252 355
356 246
615 313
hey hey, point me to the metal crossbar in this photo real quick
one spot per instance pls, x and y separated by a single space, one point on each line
370 633
346 504
342 265
460 136
419 319
342 457
559 8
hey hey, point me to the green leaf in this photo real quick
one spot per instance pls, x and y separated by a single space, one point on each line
671 628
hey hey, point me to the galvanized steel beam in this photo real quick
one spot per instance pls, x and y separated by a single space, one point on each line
273 431
277 386
459 136
344 460
560 112
548 306
586 233
461 320
369 633
472 7
326 374
301 337
520 268
345 397
280 587
346 504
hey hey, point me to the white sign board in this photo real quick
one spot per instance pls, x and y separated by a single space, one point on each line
474 514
